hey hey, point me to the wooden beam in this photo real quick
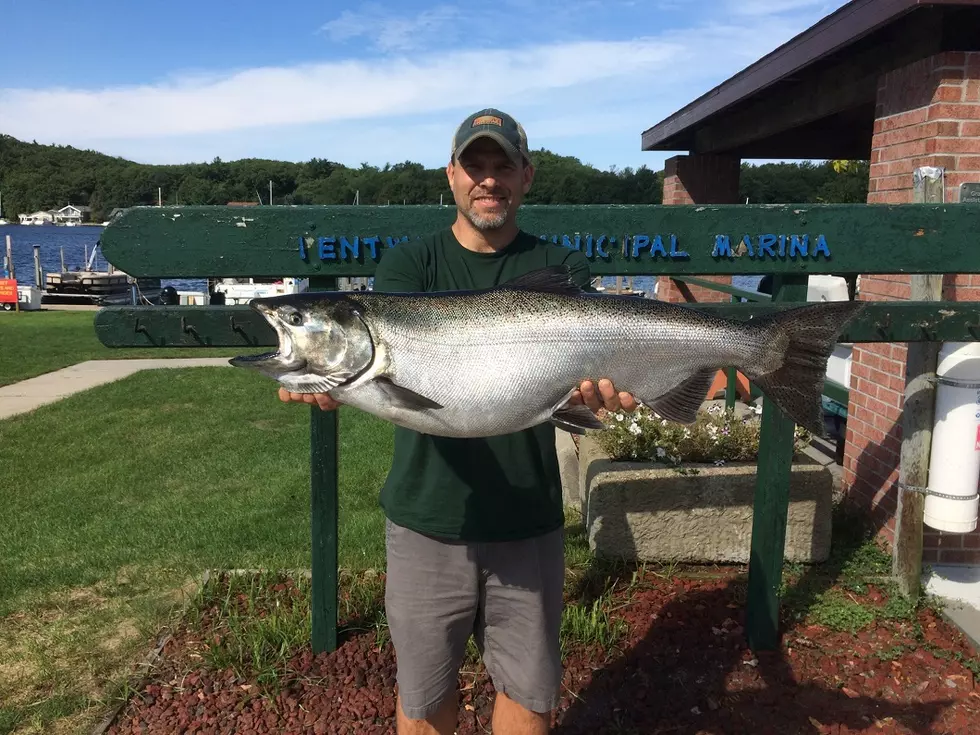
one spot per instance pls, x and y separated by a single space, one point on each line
847 135
324 518
825 90
785 113
918 415
240 326
643 239
917 421
857 25
770 508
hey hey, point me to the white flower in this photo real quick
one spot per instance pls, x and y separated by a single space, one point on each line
635 429
661 452
619 416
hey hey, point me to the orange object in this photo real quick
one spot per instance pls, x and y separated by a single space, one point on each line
720 383
8 291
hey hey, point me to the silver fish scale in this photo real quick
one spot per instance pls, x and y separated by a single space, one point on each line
468 352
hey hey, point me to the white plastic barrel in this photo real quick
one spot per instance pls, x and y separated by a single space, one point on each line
954 461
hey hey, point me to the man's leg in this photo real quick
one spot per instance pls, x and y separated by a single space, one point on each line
431 598
514 719
443 722
518 630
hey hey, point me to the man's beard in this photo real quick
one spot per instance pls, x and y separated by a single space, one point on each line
485 222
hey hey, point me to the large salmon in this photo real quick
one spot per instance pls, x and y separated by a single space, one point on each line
488 362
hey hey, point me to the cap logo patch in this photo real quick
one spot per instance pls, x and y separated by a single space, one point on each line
488 120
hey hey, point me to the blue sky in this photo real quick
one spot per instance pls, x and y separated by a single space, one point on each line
376 82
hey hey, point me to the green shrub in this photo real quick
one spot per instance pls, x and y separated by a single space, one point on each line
717 436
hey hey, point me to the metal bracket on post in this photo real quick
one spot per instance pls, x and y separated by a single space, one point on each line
926 491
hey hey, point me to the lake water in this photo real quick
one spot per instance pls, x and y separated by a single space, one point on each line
75 242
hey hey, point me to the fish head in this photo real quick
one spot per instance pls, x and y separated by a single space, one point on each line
323 341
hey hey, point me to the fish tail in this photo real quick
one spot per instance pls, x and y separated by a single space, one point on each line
793 364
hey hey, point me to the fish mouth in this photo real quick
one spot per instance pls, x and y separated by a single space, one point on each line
279 362
273 364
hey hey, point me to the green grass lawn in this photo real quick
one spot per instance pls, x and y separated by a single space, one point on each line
182 469
116 499
37 342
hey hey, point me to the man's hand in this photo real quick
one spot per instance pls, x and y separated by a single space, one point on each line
606 397
323 400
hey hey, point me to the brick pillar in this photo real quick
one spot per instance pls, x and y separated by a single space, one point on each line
698 179
928 114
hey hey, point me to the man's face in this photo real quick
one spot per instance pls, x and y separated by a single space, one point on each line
487 185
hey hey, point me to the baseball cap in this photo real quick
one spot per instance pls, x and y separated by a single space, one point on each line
494 124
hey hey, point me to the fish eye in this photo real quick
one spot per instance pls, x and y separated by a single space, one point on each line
294 317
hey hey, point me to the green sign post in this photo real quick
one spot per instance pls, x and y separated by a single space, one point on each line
322 243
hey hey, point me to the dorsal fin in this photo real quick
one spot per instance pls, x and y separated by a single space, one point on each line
550 279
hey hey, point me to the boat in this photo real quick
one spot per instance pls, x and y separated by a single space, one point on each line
100 288
620 289
239 291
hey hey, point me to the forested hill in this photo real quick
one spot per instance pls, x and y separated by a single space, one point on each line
34 177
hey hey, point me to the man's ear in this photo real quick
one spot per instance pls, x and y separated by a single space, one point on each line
528 177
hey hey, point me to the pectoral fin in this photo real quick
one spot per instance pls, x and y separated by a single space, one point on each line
405 397
576 419
681 404
310 383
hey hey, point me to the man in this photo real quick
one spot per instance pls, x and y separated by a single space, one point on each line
475 526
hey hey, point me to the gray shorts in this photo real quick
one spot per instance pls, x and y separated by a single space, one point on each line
507 594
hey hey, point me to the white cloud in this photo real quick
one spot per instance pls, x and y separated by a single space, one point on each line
388 32
590 99
324 92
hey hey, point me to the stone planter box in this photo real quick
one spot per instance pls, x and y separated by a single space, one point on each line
647 512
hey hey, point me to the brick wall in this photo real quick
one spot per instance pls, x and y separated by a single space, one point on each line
698 179
928 114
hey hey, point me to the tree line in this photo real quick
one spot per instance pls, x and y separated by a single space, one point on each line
35 177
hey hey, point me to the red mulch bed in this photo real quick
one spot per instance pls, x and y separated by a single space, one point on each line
684 668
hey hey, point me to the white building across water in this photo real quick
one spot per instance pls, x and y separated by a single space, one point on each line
68 215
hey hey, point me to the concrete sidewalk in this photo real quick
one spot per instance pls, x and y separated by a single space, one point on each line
27 395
